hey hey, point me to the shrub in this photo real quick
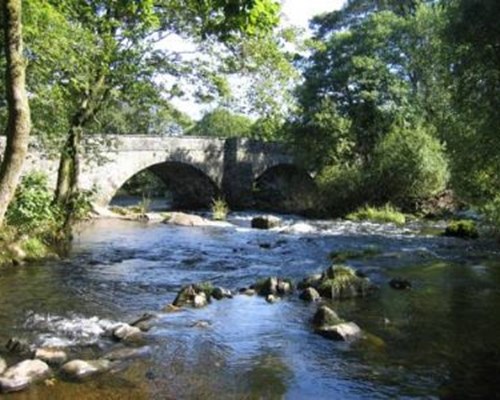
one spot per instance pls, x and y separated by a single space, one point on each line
219 209
341 188
383 214
32 207
408 165
464 228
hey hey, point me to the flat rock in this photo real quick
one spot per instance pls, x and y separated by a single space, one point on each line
82 369
346 331
183 219
21 375
51 355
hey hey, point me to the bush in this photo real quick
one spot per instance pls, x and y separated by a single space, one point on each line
384 214
465 229
408 165
341 188
219 209
32 207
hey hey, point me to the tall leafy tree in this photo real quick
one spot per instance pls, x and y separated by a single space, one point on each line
19 123
222 123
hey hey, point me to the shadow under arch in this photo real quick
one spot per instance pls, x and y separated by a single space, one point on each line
285 188
190 188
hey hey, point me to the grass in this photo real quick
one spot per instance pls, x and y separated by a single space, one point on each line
219 209
340 282
385 214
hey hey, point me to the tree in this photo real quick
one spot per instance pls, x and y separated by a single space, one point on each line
19 124
473 39
125 57
222 123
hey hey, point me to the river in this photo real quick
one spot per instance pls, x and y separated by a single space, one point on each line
441 338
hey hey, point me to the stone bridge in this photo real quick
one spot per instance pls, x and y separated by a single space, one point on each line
195 169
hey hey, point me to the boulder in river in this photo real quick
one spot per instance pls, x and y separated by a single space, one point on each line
21 375
273 285
341 282
219 293
325 316
126 332
51 355
265 222
271 298
346 331
310 294
193 295
82 369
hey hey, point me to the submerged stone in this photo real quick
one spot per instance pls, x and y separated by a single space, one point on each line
124 354
21 375
346 331
51 355
400 284
82 369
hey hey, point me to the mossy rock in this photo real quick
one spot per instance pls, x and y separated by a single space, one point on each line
341 282
465 229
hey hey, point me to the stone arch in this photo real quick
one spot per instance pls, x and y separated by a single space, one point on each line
191 186
285 187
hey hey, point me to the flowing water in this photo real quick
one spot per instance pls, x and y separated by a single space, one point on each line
440 339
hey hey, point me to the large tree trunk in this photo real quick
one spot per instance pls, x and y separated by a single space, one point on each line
19 123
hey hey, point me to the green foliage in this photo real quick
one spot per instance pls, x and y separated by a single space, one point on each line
145 182
408 165
35 248
463 228
380 215
472 38
220 209
32 207
341 188
222 123
492 212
